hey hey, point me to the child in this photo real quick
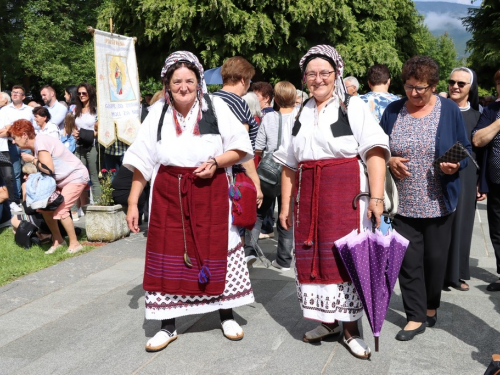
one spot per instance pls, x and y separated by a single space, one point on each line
67 132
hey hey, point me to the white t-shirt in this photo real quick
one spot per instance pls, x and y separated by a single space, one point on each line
86 121
8 115
49 129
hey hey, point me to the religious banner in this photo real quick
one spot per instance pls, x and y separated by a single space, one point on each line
118 96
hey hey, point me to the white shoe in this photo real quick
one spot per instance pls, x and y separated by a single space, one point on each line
15 208
160 340
358 347
232 330
75 217
263 236
251 259
80 212
276 265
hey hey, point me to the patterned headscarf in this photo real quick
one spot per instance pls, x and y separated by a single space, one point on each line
330 54
187 56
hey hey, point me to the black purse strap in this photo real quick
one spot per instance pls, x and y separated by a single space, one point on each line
51 174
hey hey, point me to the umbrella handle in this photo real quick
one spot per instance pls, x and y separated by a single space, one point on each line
354 201
376 343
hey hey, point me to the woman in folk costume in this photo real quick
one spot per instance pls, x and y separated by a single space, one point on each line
322 151
194 259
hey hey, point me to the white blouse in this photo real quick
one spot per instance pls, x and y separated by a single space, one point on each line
49 129
315 140
186 149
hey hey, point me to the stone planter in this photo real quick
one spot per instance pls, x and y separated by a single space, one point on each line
105 223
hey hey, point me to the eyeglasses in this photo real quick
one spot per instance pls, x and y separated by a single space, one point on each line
460 84
17 93
82 94
323 74
418 89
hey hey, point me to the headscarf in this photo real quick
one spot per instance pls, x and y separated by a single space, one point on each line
474 88
186 56
331 55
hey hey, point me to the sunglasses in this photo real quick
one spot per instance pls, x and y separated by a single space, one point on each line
459 83
82 94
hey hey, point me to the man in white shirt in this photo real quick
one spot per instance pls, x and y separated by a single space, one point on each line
57 110
4 99
11 112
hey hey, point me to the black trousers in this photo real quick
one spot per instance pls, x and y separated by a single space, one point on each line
493 210
422 273
8 177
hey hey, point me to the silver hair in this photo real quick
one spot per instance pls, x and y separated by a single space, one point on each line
353 80
253 102
6 97
303 95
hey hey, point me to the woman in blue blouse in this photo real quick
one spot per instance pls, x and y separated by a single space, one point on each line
422 127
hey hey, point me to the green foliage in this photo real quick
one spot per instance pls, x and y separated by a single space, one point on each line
271 34
17 262
484 24
150 86
55 46
105 179
10 30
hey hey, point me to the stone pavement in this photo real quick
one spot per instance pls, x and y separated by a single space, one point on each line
86 316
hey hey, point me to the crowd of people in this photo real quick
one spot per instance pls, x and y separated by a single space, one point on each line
331 142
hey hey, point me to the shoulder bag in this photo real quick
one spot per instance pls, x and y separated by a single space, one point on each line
269 171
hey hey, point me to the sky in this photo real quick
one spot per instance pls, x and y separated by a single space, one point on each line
466 2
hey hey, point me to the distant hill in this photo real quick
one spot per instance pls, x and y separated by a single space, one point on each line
441 17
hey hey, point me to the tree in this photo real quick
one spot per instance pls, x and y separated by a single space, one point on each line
271 34
484 25
55 47
10 31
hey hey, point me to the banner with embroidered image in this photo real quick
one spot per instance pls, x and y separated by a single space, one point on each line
117 85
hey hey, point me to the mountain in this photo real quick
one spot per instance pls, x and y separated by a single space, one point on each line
441 17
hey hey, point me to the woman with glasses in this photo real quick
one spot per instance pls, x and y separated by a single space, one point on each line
322 146
421 128
86 118
463 90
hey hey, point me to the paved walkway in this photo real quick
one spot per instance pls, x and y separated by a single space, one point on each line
86 316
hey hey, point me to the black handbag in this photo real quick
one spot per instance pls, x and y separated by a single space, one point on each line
26 234
269 171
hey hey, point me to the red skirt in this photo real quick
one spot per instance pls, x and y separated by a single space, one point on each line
324 191
200 226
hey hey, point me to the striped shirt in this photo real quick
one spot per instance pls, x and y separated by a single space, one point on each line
242 112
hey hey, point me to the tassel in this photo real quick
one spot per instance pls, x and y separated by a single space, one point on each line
204 275
309 242
313 274
187 260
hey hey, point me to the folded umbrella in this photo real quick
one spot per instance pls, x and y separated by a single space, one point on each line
373 262
213 76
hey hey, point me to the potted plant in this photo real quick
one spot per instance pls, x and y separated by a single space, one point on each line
106 221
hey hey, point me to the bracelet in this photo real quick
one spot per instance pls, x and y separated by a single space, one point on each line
377 199
215 163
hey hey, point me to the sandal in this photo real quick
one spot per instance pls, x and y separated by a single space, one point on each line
160 340
461 285
320 332
52 249
74 250
232 330
358 347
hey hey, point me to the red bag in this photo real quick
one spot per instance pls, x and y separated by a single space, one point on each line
244 201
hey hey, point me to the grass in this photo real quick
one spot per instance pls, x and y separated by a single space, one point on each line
16 262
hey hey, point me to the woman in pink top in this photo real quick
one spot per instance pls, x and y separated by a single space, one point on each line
70 174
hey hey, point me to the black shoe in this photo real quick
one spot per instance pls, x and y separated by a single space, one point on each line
432 320
493 287
409 335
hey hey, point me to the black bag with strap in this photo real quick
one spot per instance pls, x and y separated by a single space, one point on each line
26 234
269 171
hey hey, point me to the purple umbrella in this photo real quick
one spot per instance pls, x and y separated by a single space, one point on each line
373 262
